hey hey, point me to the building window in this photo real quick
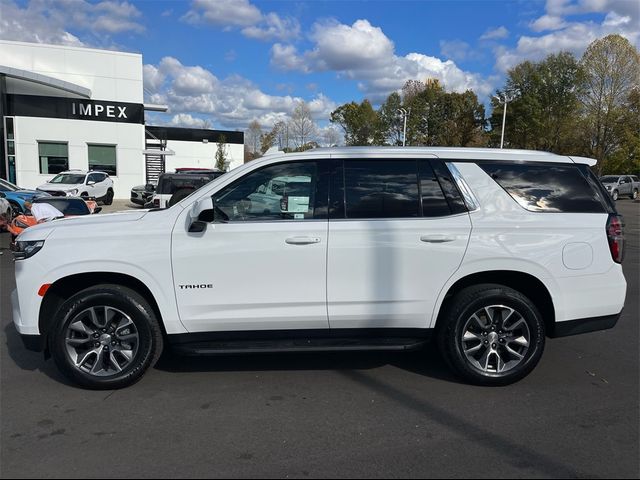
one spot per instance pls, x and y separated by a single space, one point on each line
103 159
54 157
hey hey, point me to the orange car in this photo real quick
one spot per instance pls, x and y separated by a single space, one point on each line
64 206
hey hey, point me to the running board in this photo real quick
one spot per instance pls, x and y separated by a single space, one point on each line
299 345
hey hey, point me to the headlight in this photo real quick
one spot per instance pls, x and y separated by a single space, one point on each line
23 250
72 193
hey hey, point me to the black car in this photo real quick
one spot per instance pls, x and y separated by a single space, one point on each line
173 187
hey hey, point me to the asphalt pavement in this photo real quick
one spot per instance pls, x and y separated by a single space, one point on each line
331 415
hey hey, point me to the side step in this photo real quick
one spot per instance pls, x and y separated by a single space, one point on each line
299 345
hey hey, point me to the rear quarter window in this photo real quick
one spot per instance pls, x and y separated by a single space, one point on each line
546 187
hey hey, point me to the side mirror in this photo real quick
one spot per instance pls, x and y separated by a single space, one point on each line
200 211
91 182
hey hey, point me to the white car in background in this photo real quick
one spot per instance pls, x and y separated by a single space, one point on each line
77 183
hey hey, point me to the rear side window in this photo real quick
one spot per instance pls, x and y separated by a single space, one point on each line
546 188
381 189
433 202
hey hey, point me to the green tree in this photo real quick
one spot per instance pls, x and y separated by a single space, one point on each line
360 123
611 68
221 154
391 123
544 111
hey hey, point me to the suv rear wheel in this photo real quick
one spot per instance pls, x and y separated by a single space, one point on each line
634 194
105 337
491 335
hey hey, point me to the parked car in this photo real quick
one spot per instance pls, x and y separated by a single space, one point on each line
486 251
173 187
78 183
66 207
6 212
618 185
142 194
17 196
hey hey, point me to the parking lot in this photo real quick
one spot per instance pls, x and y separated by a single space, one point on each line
331 415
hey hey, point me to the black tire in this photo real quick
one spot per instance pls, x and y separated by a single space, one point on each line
614 195
634 194
462 308
108 199
180 194
145 325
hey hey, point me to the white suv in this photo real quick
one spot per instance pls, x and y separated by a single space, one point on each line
77 183
487 251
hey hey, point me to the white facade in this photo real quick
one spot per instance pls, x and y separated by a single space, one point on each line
201 155
79 97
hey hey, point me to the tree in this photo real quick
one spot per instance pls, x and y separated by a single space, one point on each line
253 138
282 135
302 126
331 136
268 140
221 154
391 122
611 68
544 110
360 123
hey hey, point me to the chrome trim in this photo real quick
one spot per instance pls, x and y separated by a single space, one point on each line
467 193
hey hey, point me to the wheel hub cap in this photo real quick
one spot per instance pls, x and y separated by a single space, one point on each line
105 339
495 339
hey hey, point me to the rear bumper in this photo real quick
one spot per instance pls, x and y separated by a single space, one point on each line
584 325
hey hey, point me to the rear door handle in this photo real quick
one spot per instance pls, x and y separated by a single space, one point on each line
302 240
436 238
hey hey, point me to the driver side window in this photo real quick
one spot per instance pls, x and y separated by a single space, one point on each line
285 191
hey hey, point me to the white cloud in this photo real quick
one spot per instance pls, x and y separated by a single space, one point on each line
495 33
230 14
232 102
620 17
455 49
186 120
363 52
52 22
224 13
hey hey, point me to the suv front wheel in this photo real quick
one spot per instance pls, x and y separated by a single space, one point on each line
491 335
105 337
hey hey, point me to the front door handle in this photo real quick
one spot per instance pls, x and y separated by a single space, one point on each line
436 238
302 240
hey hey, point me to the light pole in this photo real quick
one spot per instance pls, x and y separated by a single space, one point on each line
504 100
405 113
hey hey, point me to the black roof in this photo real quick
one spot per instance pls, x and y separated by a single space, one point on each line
194 134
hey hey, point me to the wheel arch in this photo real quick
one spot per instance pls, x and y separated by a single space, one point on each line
66 287
525 283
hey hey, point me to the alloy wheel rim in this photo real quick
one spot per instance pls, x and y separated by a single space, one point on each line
495 339
101 341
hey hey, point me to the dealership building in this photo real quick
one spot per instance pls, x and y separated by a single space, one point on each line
68 108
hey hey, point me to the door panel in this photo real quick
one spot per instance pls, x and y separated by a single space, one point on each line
252 278
382 274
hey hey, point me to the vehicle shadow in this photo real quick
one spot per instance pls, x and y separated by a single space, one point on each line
427 362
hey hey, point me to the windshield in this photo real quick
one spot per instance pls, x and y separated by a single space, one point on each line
7 186
67 206
609 179
68 178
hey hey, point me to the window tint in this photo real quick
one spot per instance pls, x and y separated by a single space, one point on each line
54 157
170 184
451 192
433 202
278 192
381 188
546 188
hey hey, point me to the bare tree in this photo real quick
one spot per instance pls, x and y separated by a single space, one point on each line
205 123
332 137
302 127
253 137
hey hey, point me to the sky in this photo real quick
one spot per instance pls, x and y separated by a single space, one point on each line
229 62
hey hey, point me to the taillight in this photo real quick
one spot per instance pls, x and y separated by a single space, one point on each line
615 235
156 202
